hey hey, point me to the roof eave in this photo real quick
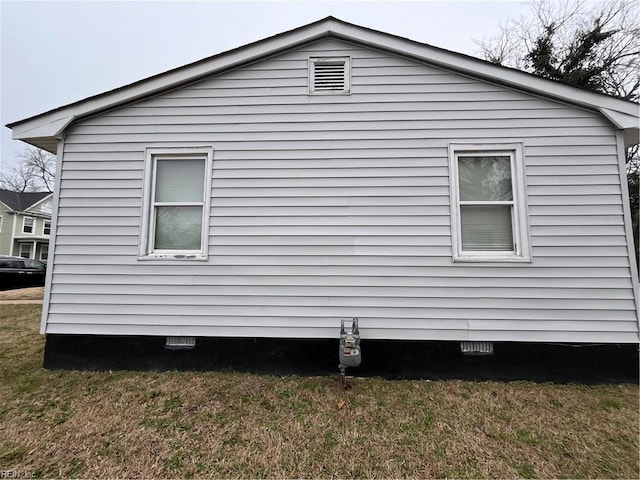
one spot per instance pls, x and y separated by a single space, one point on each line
46 128
41 129
624 114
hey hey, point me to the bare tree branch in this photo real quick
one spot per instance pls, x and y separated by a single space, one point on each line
596 45
34 173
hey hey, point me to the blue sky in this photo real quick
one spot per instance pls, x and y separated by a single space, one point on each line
53 53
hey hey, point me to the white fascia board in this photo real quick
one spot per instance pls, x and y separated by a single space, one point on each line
629 125
622 120
51 124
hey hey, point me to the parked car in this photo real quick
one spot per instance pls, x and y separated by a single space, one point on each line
18 272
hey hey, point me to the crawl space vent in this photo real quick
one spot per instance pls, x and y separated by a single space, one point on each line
476 348
180 343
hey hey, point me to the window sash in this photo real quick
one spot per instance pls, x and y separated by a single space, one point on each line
156 206
484 231
25 250
474 236
177 227
487 178
180 180
27 224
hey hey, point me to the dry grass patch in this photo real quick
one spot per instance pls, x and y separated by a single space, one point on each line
31 293
231 425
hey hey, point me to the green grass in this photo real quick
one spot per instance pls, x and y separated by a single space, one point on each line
234 425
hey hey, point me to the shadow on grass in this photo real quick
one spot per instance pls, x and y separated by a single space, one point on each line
386 359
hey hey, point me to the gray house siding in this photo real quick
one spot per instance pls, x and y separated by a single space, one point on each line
336 206
12 235
5 230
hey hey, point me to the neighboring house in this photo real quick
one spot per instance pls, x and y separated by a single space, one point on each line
25 224
332 172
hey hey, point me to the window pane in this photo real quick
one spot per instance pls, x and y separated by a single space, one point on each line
486 228
180 180
485 178
178 228
25 250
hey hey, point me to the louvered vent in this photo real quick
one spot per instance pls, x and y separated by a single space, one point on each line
476 348
329 75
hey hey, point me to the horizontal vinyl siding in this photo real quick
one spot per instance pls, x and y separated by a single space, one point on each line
328 207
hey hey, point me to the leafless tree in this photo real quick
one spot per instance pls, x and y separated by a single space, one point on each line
586 44
35 172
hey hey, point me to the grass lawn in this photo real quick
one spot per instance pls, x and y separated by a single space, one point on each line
220 424
20 294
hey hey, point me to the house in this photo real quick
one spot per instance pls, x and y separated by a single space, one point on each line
25 224
331 172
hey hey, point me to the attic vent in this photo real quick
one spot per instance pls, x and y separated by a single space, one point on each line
329 75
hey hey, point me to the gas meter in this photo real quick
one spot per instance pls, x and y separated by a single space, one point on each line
349 353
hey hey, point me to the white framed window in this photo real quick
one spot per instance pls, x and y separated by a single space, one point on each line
25 250
489 220
27 224
329 75
177 197
0 223
46 227
44 252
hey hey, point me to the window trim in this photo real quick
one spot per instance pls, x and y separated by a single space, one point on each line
147 229
44 227
33 225
45 246
520 220
347 75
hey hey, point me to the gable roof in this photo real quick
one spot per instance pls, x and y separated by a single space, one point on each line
45 129
21 202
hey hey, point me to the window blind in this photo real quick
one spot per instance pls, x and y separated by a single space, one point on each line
486 228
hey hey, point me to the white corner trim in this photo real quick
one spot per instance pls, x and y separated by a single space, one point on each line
52 240
628 225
